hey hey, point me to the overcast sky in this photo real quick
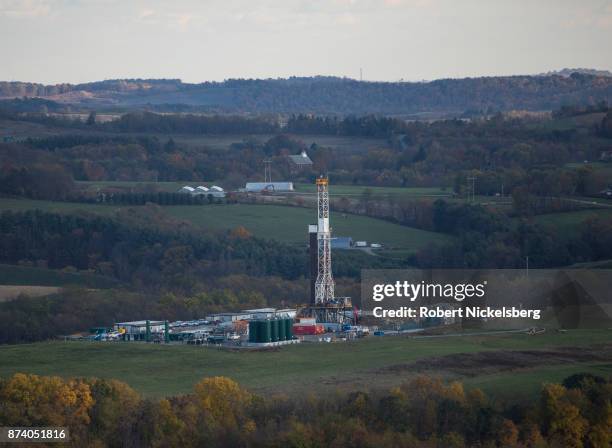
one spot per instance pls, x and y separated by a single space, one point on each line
53 41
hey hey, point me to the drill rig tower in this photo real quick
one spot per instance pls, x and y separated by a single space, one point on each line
324 285
324 306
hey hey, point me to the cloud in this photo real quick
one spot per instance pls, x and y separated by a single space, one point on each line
180 21
25 8
585 17
172 19
347 19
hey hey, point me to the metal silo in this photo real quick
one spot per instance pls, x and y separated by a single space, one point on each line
289 328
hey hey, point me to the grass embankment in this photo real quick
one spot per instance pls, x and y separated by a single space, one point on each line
158 370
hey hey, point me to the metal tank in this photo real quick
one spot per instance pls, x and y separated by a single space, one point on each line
265 331
274 326
253 331
282 330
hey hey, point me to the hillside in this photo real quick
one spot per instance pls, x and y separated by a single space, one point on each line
330 95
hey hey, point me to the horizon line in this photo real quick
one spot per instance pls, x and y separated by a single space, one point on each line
341 77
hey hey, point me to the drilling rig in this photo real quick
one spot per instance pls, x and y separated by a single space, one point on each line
324 305
324 285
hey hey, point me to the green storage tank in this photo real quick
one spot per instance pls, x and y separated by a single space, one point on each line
266 331
282 330
253 331
274 325
260 331
289 328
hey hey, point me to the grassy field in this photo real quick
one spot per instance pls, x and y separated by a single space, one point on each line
358 190
568 223
170 187
583 121
602 264
10 292
527 384
156 370
287 224
336 190
223 142
56 207
30 276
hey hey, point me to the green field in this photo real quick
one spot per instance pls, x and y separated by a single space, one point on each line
170 187
335 190
282 223
156 370
23 275
56 207
568 223
358 190
527 384
223 142
288 224
584 121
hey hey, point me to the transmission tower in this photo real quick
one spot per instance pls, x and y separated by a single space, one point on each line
324 286
268 171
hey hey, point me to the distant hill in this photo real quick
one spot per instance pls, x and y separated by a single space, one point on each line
582 71
330 95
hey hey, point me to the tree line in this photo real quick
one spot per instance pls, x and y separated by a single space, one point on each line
150 255
144 248
424 412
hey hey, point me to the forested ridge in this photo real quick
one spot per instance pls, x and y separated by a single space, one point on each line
329 95
499 151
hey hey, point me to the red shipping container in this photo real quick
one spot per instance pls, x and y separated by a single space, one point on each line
308 329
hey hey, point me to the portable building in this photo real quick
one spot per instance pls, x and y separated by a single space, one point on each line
258 187
342 242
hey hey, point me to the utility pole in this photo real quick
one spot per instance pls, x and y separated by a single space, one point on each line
527 265
472 188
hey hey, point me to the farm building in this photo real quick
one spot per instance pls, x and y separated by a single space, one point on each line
214 191
258 187
299 162
217 192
